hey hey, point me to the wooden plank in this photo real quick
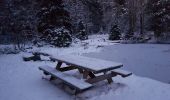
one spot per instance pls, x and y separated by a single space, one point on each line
91 64
67 79
67 68
100 78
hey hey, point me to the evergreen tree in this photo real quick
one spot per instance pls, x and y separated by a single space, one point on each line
159 12
114 33
60 37
82 34
52 17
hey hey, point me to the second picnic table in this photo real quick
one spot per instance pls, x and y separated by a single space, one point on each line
91 67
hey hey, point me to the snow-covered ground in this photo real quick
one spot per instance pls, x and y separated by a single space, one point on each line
21 80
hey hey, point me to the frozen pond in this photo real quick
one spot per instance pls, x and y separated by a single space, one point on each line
147 60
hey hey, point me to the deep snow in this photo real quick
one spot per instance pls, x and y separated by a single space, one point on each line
21 80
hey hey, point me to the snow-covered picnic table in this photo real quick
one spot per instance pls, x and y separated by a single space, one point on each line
89 64
88 67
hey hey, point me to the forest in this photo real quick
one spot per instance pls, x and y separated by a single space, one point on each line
60 22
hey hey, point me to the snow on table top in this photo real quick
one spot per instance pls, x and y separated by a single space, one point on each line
92 64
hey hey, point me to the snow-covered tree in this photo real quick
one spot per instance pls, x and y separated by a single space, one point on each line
59 37
114 33
81 31
52 17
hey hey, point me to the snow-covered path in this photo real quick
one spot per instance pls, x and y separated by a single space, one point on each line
148 60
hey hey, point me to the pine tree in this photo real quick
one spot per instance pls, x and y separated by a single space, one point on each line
60 37
114 33
52 17
81 34
159 12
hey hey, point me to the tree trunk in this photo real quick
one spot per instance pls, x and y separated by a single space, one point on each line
141 23
132 18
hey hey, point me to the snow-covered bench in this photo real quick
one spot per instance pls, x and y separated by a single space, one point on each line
122 73
78 84
91 68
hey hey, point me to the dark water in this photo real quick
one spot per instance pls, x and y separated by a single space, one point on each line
146 60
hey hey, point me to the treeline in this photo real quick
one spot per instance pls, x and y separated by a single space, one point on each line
58 22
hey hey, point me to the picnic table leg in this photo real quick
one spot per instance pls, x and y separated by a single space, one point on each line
57 68
109 79
99 78
91 75
80 70
52 78
58 65
86 73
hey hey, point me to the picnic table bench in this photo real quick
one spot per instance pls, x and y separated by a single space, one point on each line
89 67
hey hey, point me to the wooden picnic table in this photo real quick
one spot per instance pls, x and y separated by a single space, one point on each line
88 64
89 67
